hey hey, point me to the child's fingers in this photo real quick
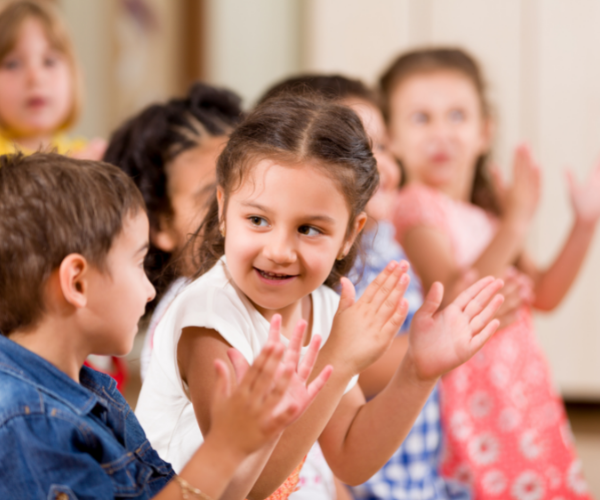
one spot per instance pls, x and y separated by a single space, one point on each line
223 384
482 319
275 329
347 295
317 384
467 296
482 337
307 363
387 288
397 320
381 278
240 365
254 371
391 303
481 300
262 373
279 386
292 354
433 299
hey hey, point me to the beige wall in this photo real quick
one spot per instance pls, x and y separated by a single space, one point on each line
543 65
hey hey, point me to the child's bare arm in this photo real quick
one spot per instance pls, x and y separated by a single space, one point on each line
245 419
364 330
361 436
553 283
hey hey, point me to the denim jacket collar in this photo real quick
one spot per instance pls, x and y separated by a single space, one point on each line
35 370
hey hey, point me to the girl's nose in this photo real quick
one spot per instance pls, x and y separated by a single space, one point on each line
280 248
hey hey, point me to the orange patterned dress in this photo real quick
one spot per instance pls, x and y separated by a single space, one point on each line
505 427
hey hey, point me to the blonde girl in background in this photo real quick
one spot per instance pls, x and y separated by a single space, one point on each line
283 230
40 82
506 429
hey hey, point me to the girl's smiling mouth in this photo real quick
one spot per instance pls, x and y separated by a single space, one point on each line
274 278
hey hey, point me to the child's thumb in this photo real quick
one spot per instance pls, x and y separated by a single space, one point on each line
223 384
433 299
347 295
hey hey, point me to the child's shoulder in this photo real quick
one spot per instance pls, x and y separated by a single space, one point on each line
18 396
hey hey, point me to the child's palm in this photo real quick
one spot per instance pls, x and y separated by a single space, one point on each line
441 341
585 198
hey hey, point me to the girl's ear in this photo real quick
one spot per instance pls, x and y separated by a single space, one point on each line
163 238
359 224
73 279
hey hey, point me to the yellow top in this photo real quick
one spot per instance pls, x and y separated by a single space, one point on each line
61 143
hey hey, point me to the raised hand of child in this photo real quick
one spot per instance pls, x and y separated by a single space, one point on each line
442 340
517 292
585 198
293 400
523 195
363 330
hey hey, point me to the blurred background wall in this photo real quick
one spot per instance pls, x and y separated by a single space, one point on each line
541 58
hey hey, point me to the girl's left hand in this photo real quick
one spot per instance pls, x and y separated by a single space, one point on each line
299 393
439 341
585 198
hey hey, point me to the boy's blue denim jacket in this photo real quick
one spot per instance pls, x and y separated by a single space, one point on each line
62 440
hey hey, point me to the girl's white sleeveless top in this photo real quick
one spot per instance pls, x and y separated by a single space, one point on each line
212 301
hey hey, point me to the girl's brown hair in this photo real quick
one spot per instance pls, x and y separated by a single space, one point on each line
432 60
12 17
295 131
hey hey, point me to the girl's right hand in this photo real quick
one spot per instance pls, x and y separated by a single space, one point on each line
363 330
522 198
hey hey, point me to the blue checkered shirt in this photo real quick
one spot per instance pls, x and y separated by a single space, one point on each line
413 471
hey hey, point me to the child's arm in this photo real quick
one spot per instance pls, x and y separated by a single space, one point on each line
430 250
248 419
361 436
372 323
552 284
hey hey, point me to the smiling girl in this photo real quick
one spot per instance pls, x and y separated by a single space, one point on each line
40 87
293 183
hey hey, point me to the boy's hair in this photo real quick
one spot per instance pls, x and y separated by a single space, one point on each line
145 145
52 206
329 87
296 131
433 60
12 16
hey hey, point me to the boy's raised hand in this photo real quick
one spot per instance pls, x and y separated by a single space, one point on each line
363 330
442 340
272 393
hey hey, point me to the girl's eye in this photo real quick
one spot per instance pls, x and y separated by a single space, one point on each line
309 231
10 64
457 116
420 117
258 221
50 62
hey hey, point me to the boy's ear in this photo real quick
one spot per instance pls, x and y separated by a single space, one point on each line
359 224
73 279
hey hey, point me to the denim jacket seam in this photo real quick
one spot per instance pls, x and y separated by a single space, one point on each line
19 375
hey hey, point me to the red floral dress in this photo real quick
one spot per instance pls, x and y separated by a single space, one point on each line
506 431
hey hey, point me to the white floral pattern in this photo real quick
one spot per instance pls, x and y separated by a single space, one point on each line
494 482
528 486
531 444
484 449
